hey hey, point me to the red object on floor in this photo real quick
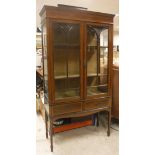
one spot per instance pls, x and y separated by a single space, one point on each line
72 126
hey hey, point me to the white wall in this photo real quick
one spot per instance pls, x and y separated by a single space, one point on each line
116 38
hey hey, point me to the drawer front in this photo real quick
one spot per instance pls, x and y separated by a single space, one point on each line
100 103
66 108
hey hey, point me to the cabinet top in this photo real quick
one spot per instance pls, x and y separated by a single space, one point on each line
73 13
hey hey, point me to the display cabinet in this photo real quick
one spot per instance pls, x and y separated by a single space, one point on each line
77 63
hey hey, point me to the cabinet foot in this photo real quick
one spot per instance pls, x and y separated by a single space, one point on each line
51 135
52 148
97 116
46 124
109 123
108 133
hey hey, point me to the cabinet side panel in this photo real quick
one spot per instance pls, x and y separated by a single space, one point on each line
110 57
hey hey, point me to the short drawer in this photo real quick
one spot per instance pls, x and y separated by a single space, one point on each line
95 104
66 108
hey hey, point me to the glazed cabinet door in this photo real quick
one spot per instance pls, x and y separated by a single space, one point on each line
97 60
45 63
66 59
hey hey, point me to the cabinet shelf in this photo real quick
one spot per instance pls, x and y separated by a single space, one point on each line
77 76
67 46
95 46
95 74
104 85
64 76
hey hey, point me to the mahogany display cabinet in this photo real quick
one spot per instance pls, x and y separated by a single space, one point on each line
77 63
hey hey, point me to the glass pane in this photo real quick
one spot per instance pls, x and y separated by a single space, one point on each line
66 60
45 63
97 59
